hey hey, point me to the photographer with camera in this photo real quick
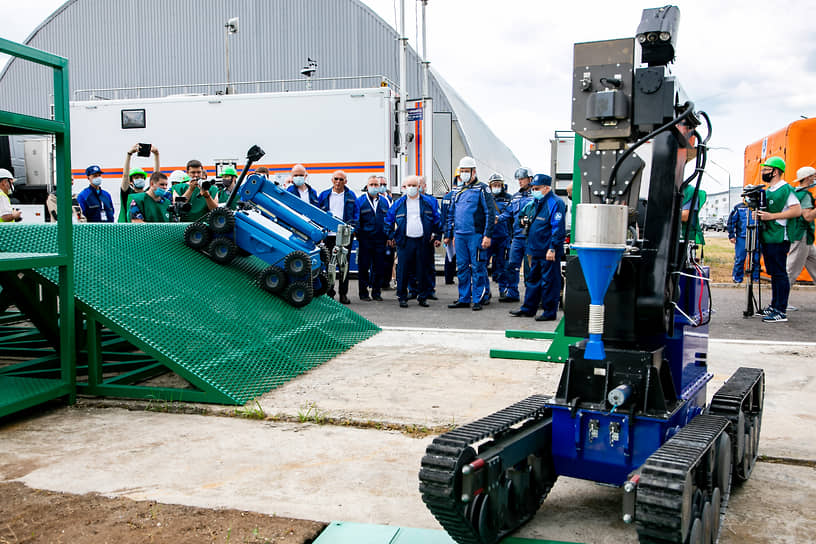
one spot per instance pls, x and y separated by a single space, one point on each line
153 205
802 252
135 180
200 194
782 205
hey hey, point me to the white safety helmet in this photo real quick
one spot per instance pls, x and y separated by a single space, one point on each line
178 176
467 162
5 174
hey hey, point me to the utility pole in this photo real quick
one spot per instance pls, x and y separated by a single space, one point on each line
230 27
403 89
426 65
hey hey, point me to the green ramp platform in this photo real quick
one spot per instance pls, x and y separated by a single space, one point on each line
339 532
212 325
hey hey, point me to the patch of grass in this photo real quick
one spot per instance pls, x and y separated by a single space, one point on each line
255 412
310 413
719 257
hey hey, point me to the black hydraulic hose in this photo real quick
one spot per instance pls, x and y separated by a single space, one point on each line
688 111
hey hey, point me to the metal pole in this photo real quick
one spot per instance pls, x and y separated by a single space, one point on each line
226 49
403 122
426 66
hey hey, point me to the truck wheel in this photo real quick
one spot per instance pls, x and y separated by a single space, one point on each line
298 294
320 285
222 250
273 279
197 236
298 264
221 220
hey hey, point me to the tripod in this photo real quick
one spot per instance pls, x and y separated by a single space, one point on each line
751 248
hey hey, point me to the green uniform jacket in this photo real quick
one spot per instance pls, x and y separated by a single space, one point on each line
198 206
153 212
772 231
798 227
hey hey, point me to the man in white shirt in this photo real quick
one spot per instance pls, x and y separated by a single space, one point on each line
341 202
7 214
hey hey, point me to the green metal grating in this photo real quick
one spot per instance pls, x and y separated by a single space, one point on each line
210 324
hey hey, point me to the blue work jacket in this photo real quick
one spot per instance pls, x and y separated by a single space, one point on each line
503 227
372 219
312 193
93 203
547 228
738 221
350 211
444 208
512 212
396 222
472 211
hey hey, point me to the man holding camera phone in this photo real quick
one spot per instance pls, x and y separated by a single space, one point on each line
782 205
134 181
201 202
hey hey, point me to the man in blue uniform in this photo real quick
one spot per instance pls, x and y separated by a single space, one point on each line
471 219
546 217
500 242
371 237
299 187
512 213
739 220
413 227
341 202
95 202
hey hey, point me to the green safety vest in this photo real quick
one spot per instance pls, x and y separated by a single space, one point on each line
772 231
153 212
198 206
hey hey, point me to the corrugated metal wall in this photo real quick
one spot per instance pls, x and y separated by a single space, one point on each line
113 44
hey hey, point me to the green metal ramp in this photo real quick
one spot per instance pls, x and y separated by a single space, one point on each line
340 532
210 324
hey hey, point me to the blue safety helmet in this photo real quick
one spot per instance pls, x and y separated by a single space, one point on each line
541 179
522 172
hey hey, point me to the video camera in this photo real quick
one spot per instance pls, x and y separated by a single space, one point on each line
205 184
754 196
177 208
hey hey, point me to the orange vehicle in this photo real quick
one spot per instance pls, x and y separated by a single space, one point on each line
796 144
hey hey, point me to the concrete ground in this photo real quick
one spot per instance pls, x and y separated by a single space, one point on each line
417 376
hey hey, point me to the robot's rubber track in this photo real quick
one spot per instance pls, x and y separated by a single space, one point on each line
740 397
666 476
448 453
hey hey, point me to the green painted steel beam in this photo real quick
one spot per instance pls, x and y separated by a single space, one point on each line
341 532
139 375
169 394
557 352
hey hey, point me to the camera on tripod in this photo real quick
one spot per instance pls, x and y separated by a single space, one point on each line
178 207
754 196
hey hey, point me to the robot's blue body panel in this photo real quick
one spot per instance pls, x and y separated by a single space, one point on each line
270 242
606 446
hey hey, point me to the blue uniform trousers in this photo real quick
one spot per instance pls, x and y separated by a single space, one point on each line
514 260
471 268
370 262
775 260
498 253
542 285
430 278
412 259
740 254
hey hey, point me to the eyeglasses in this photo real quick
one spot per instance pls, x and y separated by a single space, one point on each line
339 179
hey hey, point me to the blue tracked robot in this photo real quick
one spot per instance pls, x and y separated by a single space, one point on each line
630 409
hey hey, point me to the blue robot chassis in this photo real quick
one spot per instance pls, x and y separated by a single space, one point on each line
630 409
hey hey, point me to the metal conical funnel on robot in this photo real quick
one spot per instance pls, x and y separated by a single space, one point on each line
600 240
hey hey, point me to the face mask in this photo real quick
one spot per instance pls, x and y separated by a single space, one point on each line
465 177
766 177
538 195
412 191
299 180
139 183
373 191
97 181
495 190
383 189
160 192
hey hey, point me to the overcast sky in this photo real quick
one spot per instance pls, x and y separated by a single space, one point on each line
751 65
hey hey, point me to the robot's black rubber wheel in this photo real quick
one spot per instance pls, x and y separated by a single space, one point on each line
298 265
221 220
298 294
273 279
222 250
325 256
320 284
197 236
